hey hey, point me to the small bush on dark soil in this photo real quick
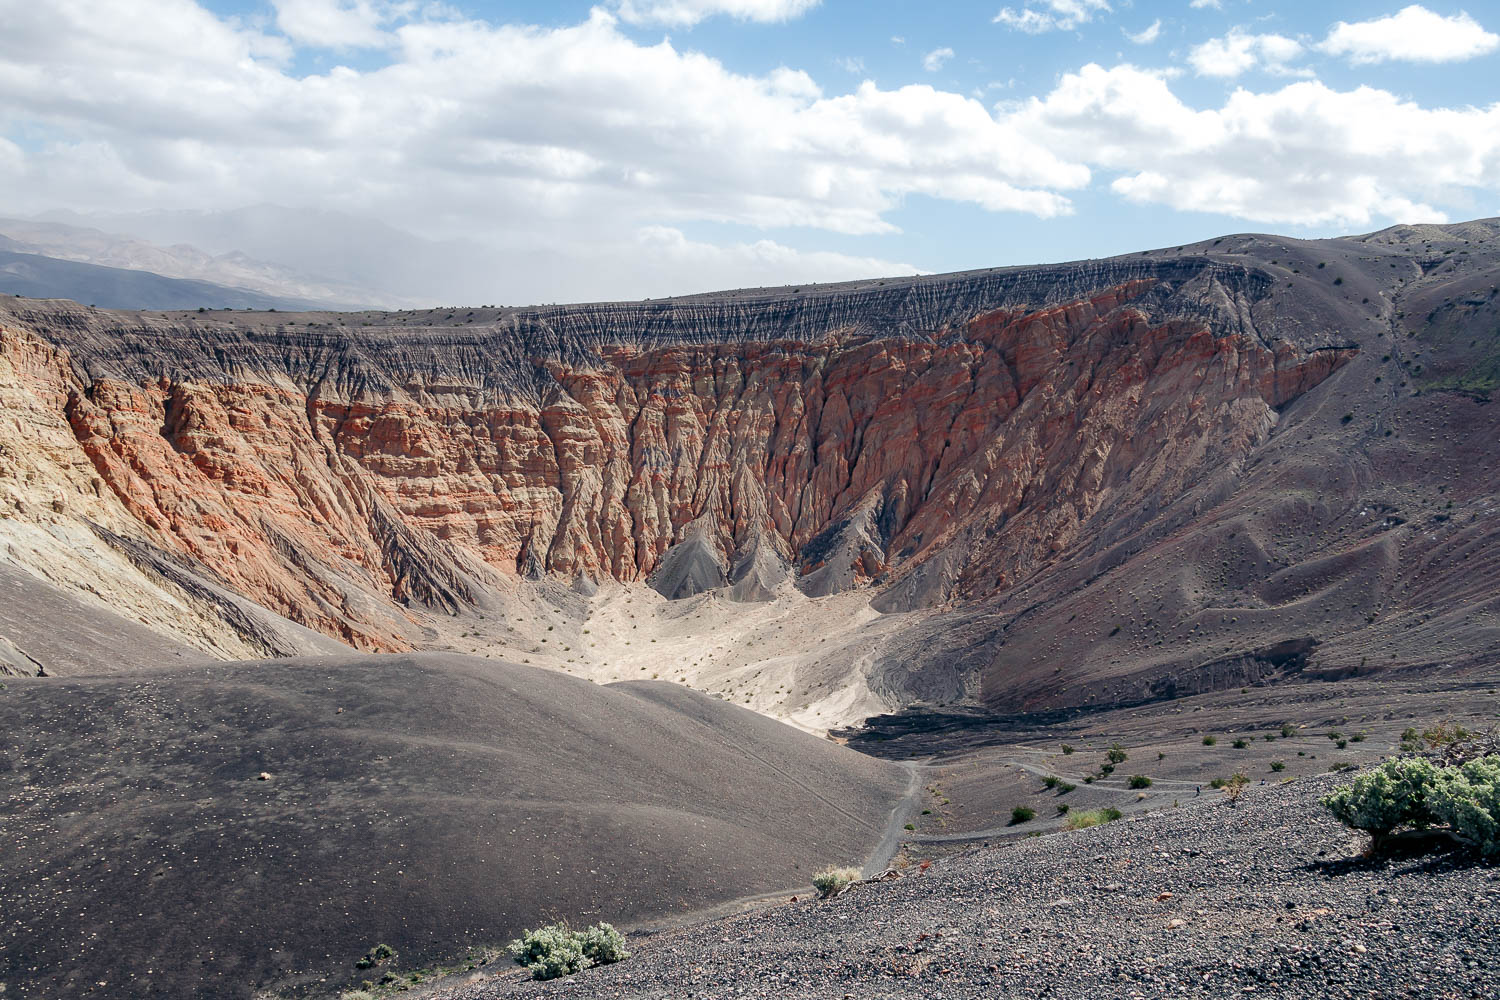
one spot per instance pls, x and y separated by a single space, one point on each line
555 951
1241 744
1414 793
1209 741
1022 814
1278 765
832 881
1139 781
1086 818
377 955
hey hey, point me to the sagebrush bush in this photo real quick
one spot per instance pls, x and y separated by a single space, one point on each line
1390 796
1085 818
1209 741
1116 754
1022 814
1467 799
1139 781
832 881
556 950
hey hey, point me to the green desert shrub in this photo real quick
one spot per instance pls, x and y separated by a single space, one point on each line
1067 748
1288 730
1116 754
1241 744
377 955
1062 808
1022 814
1466 798
1085 818
1390 796
1209 741
1051 781
1139 781
602 944
1065 787
832 881
555 951
1278 765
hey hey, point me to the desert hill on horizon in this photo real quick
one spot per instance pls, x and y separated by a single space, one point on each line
278 583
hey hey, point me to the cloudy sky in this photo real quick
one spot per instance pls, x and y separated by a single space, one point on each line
643 147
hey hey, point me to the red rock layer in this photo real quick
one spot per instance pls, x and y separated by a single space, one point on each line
1009 431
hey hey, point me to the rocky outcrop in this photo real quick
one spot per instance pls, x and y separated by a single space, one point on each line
938 437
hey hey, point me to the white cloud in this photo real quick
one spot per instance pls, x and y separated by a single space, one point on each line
1059 15
563 146
1207 4
1305 154
578 132
335 24
850 64
1413 34
666 250
1240 51
1146 35
934 60
686 13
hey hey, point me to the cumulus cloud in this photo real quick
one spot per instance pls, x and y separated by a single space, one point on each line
686 13
569 147
934 60
1207 4
1240 51
1413 34
1305 154
762 262
1146 35
1053 15
336 24
474 125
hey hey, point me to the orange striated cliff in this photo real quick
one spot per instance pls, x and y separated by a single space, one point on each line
309 479
1073 485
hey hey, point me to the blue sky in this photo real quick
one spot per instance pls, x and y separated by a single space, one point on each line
643 147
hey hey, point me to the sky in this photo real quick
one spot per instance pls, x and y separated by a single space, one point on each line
633 148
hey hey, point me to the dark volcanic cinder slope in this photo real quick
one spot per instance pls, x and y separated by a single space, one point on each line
433 803
1269 899
1117 479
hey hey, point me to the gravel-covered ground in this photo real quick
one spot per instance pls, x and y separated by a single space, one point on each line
1269 898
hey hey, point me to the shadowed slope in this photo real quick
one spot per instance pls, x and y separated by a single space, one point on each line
431 802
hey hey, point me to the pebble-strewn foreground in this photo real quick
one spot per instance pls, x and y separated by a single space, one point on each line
1268 899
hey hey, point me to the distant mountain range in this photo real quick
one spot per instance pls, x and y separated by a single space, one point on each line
124 270
38 277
